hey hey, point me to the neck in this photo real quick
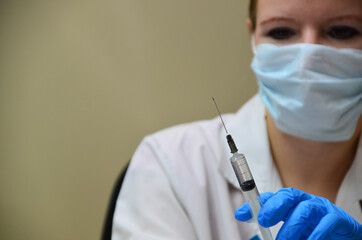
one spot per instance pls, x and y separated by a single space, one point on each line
314 167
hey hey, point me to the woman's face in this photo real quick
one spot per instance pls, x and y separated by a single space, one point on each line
335 23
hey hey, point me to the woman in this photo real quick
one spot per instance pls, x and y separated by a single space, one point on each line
300 135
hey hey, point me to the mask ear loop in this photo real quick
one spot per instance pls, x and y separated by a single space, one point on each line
253 47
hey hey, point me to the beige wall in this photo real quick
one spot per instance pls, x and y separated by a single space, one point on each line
81 83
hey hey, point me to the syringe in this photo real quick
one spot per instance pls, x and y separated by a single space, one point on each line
246 181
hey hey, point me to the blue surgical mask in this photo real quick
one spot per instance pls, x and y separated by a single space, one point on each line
312 91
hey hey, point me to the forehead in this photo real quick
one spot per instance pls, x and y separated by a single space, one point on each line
308 9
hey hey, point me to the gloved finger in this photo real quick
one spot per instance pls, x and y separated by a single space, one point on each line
302 220
330 225
265 196
243 213
279 206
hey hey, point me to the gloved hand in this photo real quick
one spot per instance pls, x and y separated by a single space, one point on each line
305 216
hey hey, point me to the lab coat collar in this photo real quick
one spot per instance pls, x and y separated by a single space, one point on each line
350 192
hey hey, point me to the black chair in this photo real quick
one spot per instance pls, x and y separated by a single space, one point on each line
108 222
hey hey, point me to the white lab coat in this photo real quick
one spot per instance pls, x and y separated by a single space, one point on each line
180 183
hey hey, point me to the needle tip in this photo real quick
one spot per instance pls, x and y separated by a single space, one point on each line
220 115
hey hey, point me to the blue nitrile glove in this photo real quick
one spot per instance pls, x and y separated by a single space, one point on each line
305 216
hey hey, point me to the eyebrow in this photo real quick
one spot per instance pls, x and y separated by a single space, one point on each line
275 19
355 17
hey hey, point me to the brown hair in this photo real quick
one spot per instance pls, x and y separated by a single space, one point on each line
252 12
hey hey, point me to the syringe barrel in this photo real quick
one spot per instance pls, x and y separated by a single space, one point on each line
242 171
255 203
250 191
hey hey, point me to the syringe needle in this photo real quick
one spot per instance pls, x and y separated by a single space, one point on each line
220 116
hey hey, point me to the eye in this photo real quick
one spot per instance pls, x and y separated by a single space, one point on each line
342 32
281 33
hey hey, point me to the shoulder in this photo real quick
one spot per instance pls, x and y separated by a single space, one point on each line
193 156
200 139
182 141
205 132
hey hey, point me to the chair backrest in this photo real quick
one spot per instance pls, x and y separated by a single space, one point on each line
108 222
